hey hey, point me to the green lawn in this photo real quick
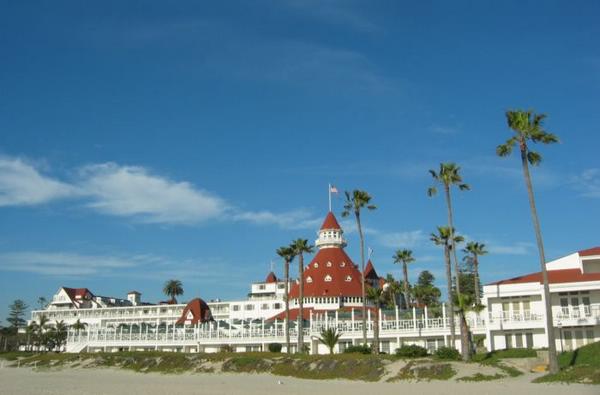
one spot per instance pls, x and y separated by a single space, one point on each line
578 366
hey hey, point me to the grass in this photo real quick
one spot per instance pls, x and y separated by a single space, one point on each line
578 366
495 356
481 377
428 372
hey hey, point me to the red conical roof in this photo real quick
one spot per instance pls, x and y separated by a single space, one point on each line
271 278
370 271
330 222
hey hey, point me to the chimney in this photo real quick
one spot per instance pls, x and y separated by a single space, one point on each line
134 297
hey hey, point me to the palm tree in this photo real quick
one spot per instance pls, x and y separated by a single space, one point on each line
475 250
78 326
449 175
354 204
393 288
529 127
173 288
443 238
301 246
287 253
60 334
330 338
31 332
378 297
42 326
405 257
465 303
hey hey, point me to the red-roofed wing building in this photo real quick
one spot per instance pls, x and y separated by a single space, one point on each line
515 305
196 311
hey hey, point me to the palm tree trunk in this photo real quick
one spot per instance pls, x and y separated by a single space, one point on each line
553 360
300 324
286 275
375 348
362 276
450 297
464 338
453 244
405 270
476 277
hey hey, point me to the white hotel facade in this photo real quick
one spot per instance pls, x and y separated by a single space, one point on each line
513 316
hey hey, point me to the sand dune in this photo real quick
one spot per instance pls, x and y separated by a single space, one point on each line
115 382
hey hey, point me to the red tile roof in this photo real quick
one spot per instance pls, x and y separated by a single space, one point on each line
271 278
554 277
307 310
345 277
200 312
370 272
330 222
590 251
77 293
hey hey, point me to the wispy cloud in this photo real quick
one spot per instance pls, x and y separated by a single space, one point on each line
444 129
588 183
338 12
22 184
518 248
137 193
409 239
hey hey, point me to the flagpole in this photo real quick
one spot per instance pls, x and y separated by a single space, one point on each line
329 192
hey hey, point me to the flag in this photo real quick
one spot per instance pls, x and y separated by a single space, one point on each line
370 252
333 189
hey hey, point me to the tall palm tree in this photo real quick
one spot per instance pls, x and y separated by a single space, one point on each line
445 238
394 288
448 176
31 332
355 202
287 253
475 250
172 289
60 334
42 327
301 246
78 326
404 257
378 297
42 302
529 127
330 337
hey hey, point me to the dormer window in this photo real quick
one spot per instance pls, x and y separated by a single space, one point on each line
316 265
348 278
343 264
328 278
328 264
309 279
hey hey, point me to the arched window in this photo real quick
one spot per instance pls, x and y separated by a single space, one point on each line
316 265
343 264
328 278
309 279
328 264
348 278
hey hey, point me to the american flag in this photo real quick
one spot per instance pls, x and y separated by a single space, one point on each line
333 189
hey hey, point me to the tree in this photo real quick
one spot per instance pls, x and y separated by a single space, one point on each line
287 253
404 257
59 334
379 298
474 250
425 291
529 127
330 337
78 326
468 285
301 246
448 176
355 202
394 288
465 303
42 302
445 238
31 333
172 289
16 314
42 327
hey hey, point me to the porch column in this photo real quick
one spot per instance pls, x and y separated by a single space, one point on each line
426 318
397 319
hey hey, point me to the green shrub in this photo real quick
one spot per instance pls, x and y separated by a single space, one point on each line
226 348
447 353
411 351
275 347
362 349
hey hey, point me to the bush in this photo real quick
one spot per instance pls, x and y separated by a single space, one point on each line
411 351
275 347
447 353
226 348
362 349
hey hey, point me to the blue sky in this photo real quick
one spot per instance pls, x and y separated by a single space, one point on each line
142 141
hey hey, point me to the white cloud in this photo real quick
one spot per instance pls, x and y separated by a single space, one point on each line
409 239
132 191
518 248
588 183
297 219
21 184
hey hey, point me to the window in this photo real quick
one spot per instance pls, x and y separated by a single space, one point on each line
586 306
529 340
316 265
309 279
265 306
249 307
343 264
348 278
277 306
236 307
261 286
508 340
328 264
328 278
280 286
518 340
564 306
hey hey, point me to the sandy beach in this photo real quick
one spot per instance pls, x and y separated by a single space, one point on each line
108 381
